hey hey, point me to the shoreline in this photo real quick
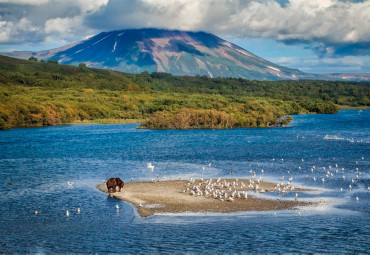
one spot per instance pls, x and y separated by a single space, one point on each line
140 121
194 196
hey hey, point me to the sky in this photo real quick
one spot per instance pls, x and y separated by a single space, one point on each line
316 36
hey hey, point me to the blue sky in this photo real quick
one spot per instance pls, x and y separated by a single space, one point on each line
317 36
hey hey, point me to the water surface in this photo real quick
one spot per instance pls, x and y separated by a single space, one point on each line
40 161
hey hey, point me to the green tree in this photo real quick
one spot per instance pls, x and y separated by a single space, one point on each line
52 61
33 59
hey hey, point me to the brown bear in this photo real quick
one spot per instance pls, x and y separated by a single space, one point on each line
112 184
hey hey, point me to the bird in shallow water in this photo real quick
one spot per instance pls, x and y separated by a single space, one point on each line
78 210
117 207
150 166
357 199
36 212
67 213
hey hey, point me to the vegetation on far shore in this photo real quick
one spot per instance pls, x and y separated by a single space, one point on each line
34 93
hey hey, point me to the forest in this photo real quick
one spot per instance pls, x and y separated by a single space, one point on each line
37 93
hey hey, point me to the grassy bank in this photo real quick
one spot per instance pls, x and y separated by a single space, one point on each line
46 94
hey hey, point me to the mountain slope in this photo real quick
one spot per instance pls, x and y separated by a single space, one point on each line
171 51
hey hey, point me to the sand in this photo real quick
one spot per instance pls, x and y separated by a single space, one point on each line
171 197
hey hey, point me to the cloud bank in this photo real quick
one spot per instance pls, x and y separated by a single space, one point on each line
330 27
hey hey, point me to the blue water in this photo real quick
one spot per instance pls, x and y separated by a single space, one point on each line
40 161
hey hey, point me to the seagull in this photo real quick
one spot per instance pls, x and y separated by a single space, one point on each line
341 189
150 166
209 165
78 210
203 168
117 207
67 213
69 184
357 199
275 214
36 212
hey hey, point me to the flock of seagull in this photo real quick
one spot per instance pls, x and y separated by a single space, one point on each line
229 190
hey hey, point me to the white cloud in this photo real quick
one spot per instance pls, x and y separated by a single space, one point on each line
9 29
332 21
328 24
27 2
62 25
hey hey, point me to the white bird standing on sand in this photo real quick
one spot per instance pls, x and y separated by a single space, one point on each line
67 213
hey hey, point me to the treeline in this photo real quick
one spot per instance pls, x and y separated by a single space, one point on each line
36 93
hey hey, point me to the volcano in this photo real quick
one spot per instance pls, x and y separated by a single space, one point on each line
171 51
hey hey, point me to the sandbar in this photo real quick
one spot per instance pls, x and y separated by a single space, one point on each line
182 196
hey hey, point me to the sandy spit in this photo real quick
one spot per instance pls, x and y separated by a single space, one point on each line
171 197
